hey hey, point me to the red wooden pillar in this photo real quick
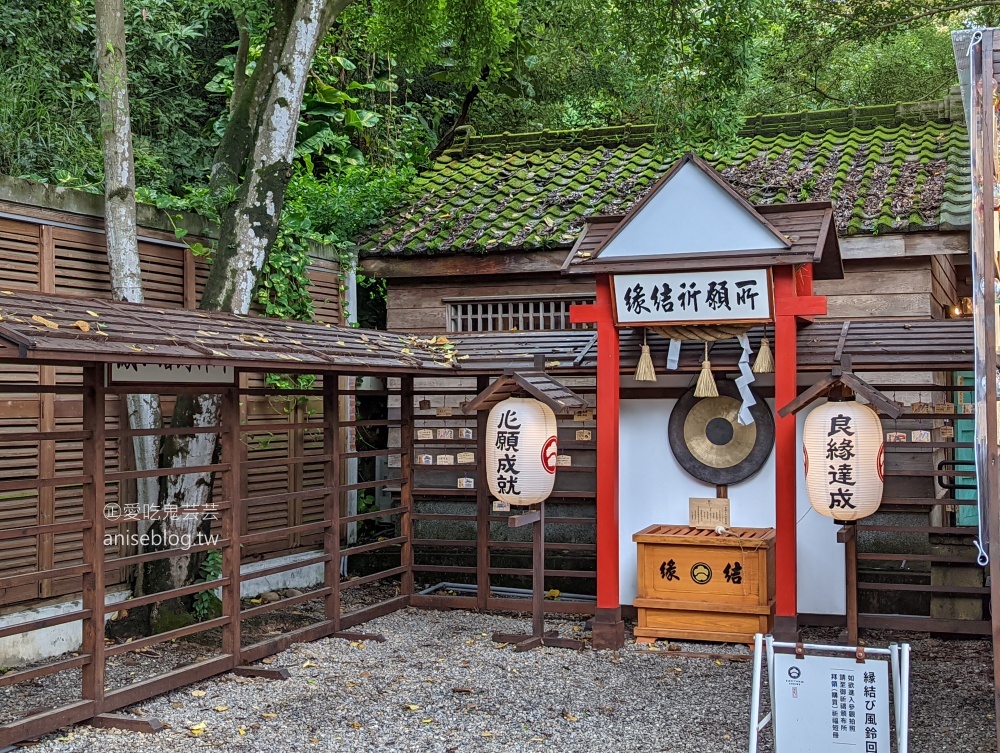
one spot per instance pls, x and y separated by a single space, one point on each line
608 627
793 299
785 454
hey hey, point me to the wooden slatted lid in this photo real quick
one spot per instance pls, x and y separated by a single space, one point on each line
673 534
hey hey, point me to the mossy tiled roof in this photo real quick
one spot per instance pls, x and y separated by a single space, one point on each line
899 168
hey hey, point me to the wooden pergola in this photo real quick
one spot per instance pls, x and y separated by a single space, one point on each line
102 338
125 349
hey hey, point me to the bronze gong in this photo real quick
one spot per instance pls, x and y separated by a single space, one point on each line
709 442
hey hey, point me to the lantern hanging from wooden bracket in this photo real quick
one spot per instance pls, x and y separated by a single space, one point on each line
842 442
521 433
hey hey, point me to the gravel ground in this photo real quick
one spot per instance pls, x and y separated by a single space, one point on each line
440 684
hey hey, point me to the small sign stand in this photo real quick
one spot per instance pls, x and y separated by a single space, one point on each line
814 675
535 517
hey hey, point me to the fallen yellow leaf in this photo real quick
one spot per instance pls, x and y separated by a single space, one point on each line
220 709
412 706
269 716
199 728
81 325
93 313
309 663
242 730
47 322
198 693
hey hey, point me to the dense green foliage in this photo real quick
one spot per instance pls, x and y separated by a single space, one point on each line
392 78
49 120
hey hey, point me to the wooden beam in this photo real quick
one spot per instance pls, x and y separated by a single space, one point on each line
482 505
127 722
406 487
872 395
93 537
467 265
268 673
231 520
813 393
500 389
524 519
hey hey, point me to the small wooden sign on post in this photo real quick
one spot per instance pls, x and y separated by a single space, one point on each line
709 512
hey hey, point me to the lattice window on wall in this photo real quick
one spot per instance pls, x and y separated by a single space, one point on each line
513 313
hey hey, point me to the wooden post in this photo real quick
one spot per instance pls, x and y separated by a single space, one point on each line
93 537
851 562
46 419
406 482
987 411
331 500
785 459
608 630
189 286
983 147
538 573
535 517
232 520
482 504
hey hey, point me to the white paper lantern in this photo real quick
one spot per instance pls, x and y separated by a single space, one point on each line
843 451
521 451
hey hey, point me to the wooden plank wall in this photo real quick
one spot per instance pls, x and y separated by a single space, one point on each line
458 537
59 252
419 305
882 288
910 287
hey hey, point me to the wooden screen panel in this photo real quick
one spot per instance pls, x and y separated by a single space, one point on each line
162 274
325 290
81 266
19 254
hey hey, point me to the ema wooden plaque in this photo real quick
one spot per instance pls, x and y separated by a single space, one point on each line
709 512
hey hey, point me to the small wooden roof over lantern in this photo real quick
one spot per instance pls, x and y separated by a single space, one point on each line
843 382
534 384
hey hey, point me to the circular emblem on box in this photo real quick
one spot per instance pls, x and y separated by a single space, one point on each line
701 573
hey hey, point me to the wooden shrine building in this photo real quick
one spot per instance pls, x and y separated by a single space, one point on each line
859 216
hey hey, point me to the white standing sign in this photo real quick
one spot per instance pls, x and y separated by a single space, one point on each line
730 295
824 699
831 703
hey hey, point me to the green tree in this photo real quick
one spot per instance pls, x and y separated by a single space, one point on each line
251 171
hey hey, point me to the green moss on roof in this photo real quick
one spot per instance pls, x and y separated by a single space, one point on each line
897 168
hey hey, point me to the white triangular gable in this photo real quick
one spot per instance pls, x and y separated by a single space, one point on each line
691 214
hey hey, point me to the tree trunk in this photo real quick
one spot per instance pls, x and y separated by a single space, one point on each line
462 120
255 157
119 213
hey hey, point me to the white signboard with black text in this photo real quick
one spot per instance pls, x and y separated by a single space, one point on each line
831 703
831 699
731 295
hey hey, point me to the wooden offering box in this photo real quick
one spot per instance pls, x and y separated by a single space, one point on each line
695 584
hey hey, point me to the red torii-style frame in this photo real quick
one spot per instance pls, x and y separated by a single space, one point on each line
793 300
